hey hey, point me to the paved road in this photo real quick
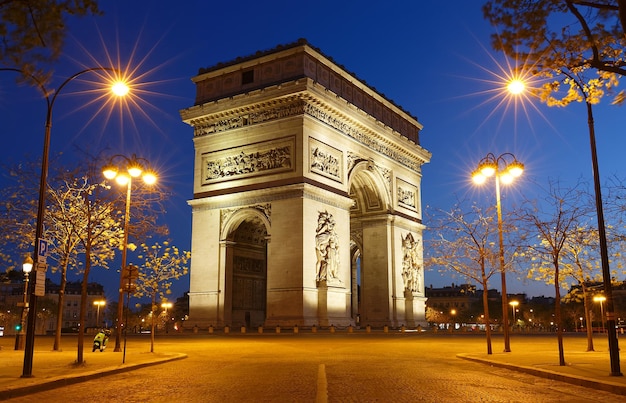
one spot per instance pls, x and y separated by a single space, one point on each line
332 368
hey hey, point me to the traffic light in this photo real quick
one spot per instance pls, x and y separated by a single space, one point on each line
18 327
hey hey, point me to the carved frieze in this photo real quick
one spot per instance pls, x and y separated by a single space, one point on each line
298 105
407 195
325 160
249 160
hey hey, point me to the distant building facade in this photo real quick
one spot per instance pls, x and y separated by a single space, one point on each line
307 197
11 298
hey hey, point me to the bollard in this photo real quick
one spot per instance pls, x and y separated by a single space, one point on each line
226 329
332 328
260 329
314 329
295 329
243 329
210 329
419 328
350 330
386 329
403 329
368 329
277 329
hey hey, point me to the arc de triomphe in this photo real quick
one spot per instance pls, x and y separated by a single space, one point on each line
306 206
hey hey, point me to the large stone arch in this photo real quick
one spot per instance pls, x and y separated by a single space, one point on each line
288 141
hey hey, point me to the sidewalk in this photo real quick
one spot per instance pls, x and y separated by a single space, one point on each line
52 369
590 369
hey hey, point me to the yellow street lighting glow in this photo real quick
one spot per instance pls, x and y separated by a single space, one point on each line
516 86
122 179
109 172
135 170
149 178
478 178
120 88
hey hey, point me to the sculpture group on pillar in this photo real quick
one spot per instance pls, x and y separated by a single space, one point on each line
326 249
411 264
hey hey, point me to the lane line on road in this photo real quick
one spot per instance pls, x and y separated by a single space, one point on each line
322 386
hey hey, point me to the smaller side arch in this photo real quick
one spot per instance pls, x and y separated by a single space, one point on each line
234 220
366 182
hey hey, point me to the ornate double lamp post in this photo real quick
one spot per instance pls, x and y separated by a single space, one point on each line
133 167
505 168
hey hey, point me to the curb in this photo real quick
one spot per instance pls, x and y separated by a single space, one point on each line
605 386
60 381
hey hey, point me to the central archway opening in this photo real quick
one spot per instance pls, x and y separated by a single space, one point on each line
369 246
246 273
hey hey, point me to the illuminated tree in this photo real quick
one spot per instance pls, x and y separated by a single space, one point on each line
33 32
548 36
161 264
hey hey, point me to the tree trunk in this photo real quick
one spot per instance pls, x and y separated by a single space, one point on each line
557 313
589 326
152 310
83 305
57 333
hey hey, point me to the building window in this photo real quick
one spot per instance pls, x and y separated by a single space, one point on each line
247 77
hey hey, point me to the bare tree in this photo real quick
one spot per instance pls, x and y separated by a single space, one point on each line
463 243
547 227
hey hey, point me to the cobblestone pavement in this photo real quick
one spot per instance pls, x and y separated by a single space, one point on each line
337 368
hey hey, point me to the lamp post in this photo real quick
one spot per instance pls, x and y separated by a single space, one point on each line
134 168
506 172
119 89
98 304
27 266
604 254
514 305
601 299
166 306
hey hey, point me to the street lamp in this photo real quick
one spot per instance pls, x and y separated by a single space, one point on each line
514 305
134 167
166 306
98 304
604 254
453 314
506 172
27 266
50 97
601 299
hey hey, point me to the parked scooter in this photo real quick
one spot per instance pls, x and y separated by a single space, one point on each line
100 341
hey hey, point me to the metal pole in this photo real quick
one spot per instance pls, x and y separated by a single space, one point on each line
19 337
505 303
604 255
120 303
